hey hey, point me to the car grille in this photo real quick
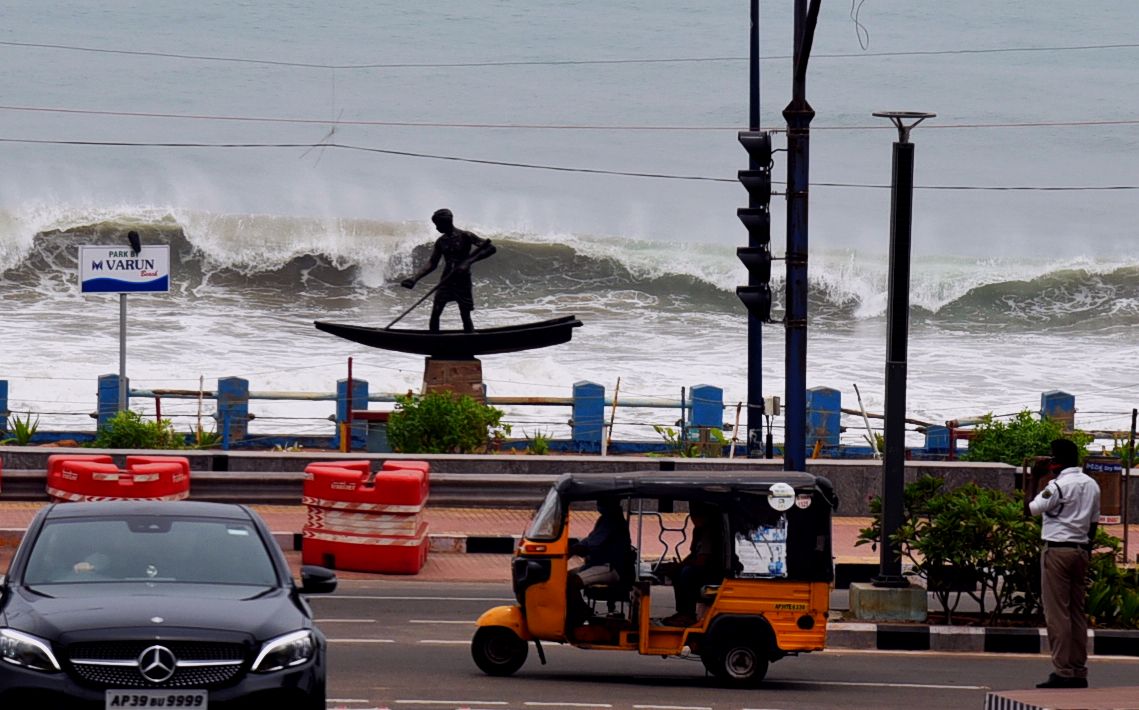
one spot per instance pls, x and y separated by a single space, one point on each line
213 664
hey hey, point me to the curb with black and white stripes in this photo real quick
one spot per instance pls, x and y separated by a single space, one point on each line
928 637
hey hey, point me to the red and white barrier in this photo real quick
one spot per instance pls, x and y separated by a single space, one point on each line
362 523
96 478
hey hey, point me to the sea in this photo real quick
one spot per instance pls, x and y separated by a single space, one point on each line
290 153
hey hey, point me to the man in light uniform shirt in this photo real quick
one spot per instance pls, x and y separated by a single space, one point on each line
1070 506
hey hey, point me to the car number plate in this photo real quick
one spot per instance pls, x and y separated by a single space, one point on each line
157 699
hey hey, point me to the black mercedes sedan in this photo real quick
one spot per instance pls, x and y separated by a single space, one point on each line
157 604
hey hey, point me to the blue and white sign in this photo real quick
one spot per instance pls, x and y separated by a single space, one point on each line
118 269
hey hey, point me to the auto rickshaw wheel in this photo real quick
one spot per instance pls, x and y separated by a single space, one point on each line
739 663
498 651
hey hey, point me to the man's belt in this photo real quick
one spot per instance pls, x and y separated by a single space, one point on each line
1049 543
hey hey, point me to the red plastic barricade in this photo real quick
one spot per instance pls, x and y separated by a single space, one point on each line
97 478
365 524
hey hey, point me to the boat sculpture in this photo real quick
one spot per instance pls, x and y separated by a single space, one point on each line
458 344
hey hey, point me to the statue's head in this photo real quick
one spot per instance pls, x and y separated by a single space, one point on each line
443 220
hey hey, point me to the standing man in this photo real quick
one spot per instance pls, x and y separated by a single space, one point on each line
459 249
1070 506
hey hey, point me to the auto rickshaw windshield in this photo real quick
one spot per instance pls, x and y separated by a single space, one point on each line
547 522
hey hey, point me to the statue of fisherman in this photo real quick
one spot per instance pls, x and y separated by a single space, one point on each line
458 249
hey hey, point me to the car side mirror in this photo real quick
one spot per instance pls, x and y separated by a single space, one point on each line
317 580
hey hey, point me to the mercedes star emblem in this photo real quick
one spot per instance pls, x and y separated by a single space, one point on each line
157 664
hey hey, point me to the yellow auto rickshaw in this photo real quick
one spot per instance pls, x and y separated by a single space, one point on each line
770 598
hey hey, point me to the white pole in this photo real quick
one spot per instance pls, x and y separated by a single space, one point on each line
122 352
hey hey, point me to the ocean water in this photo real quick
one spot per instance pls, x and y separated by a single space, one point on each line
292 152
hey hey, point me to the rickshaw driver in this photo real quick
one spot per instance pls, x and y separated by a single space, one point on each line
703 565
604 550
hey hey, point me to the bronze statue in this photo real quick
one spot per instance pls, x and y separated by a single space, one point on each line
459 249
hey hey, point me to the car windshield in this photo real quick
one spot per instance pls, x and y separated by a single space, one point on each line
149 549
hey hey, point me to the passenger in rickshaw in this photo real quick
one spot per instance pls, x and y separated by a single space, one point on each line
703 565
605 549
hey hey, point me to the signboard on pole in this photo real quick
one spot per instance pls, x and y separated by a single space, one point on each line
118 269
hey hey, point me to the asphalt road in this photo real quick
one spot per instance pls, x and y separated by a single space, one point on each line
405 645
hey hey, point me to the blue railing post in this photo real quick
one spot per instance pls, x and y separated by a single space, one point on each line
233 410
108 398
1059 407
359 434
4 411
824 412
937 439
588 416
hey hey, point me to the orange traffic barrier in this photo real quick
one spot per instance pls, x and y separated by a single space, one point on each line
97 478
363 523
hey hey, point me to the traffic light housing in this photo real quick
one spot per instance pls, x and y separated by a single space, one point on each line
756 218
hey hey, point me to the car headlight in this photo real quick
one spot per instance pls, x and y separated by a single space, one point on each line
285 652
27 651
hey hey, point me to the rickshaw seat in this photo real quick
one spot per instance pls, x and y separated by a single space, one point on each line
619 592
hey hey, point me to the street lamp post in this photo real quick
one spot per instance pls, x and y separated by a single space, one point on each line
897 331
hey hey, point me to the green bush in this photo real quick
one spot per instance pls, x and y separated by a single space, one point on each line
539 444
21 430
1018 439
985 544
128 430
444 423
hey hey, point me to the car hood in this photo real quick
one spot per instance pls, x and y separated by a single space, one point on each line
53 611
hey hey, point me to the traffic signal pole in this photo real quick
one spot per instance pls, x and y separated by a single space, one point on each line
798 115
755 410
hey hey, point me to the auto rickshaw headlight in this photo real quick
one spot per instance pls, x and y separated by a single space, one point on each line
806 622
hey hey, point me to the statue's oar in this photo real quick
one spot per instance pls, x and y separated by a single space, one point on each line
416 304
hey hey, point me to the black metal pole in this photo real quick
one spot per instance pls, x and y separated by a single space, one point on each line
755 410
798 115
897 337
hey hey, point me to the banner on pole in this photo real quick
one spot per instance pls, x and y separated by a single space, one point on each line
107 269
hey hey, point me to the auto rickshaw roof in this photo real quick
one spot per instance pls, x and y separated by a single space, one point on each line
707 486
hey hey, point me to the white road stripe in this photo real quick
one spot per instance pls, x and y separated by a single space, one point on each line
458 703
567 705
345 621
443 642
335 597
857 684
672 707
469 622
361 640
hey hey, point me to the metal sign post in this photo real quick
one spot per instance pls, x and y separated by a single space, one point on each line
122 270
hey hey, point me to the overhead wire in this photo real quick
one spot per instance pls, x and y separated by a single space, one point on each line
557 168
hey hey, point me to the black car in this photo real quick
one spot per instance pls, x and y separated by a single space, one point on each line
157 604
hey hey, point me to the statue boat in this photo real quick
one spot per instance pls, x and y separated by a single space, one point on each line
458 344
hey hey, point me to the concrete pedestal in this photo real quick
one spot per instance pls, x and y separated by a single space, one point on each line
888 603
463 377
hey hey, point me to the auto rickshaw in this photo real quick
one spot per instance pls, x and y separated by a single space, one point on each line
771 602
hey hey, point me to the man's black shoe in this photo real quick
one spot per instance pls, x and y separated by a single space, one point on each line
1056 681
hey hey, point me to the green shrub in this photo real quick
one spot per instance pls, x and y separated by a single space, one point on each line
128 430
690 449
539 444
984 538
22 430
444 423
1018 439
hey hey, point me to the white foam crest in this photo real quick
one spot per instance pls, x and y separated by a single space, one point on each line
253 243
19 227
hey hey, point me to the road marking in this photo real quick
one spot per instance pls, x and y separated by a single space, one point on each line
361 640
863 684
442 642
457 703
567 705
469 622
350 701
672 707
345 621
410 599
